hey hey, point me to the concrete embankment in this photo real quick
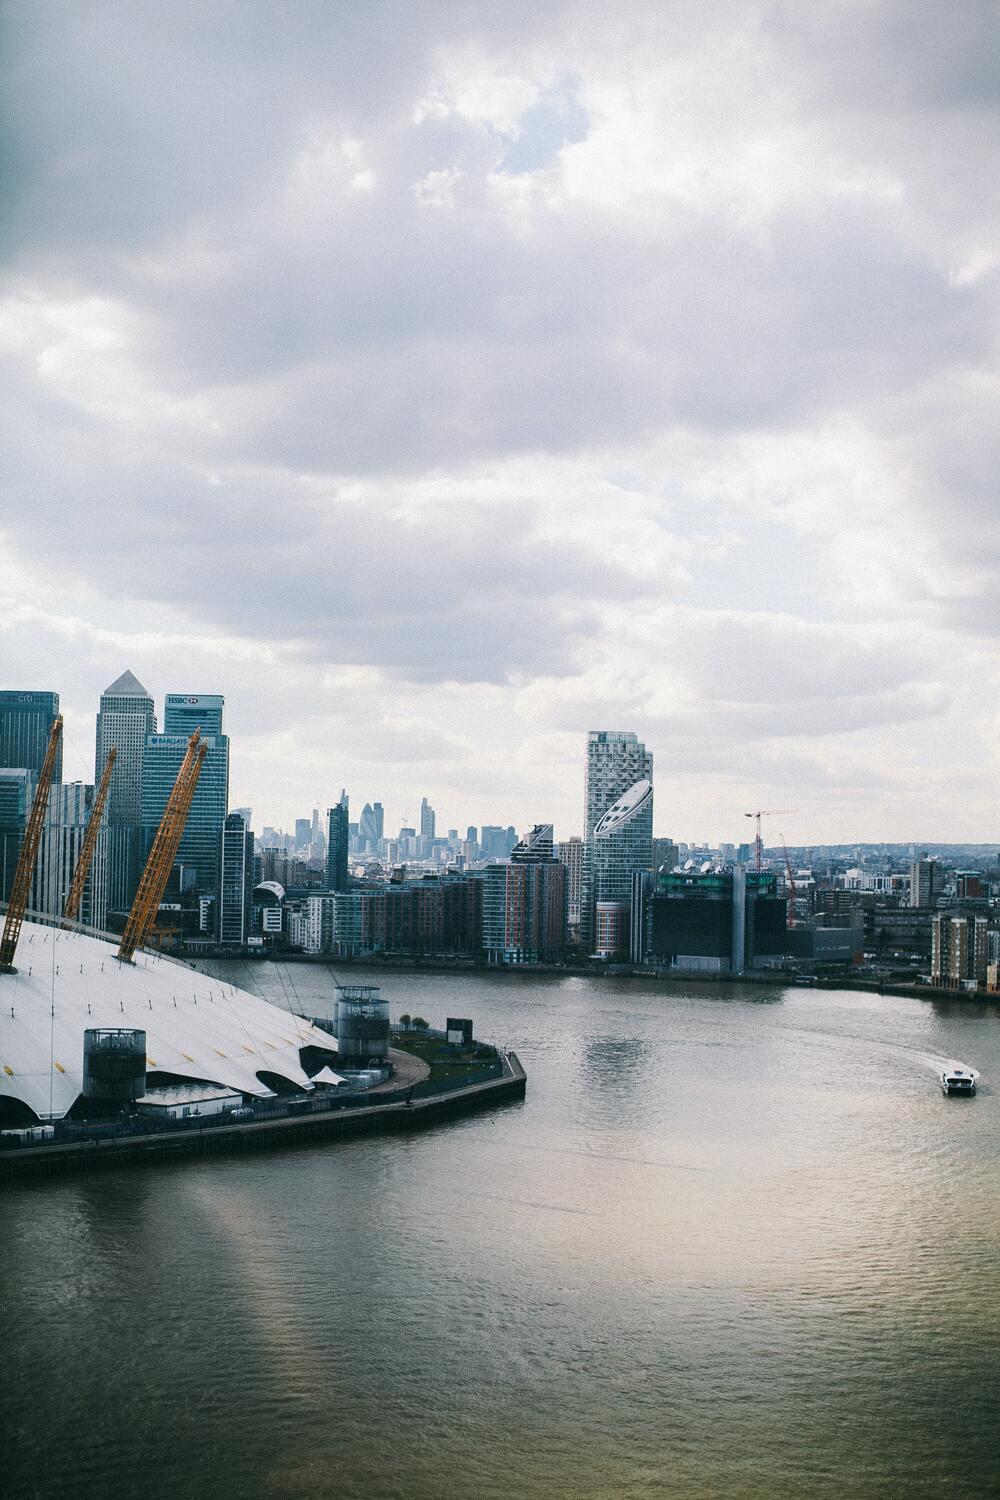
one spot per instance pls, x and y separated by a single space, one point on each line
216 1140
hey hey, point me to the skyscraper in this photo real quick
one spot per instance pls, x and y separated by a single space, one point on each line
618 824
25 726
427 819
66 817
368 834
379 813
17 789
236 884
201 844
338 846
183 713
124 719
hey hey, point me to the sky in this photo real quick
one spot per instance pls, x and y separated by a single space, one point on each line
442 381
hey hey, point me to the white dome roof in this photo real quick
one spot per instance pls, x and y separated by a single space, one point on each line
196 1026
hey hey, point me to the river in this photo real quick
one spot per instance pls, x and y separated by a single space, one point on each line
735 1242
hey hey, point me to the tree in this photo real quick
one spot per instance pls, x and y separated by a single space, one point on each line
419 1024
404 1021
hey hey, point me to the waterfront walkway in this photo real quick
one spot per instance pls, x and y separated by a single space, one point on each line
408 1071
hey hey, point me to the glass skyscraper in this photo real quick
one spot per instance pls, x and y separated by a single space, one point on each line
124 720
236 886
183 713
201 844
338 846
618 822
17 789
25 726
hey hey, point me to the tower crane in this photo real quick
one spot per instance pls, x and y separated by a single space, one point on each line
21 888
791 884
163 851
765 812
89 841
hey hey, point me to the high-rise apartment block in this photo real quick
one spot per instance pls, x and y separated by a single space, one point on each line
237 882
959 950
25 725
338 846
524 903
926 882
570 853
618 828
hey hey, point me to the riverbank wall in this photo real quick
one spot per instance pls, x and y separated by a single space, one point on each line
396 1114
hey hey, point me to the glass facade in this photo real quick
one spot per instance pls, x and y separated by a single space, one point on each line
124 721
236 886
619 771
201 843
17 790
25 726
66 818
183 713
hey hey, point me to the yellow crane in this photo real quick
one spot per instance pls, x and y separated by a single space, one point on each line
21 888
164 851
89 841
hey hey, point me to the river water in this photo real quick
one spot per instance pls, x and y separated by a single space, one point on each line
735 1242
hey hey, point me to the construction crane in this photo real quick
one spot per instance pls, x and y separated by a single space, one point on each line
765 812
89 842
164 851
791 884
21 888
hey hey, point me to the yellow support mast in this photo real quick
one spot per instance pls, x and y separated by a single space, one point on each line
21 889
164 851
89 842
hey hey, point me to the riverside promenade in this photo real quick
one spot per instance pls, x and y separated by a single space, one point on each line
381 1112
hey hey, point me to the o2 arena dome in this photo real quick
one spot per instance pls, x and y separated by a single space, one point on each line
198 1029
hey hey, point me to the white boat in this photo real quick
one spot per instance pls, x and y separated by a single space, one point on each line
958 1080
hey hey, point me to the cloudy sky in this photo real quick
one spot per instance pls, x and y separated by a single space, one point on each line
440 381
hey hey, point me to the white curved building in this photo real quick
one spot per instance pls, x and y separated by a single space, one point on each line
198 1029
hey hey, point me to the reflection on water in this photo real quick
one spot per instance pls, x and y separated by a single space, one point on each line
735 1242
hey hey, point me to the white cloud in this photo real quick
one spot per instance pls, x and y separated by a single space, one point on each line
442 385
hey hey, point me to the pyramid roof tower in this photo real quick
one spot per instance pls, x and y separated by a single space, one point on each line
126 686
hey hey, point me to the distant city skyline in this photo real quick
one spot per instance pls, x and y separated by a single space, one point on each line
801 828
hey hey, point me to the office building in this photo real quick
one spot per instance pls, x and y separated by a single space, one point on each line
237 880
25 725
716 921
303 833
201 843
183 713
369 837
618 825
428 820
17 791
125 719
338 845
67 815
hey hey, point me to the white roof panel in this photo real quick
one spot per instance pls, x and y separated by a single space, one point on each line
196 1026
